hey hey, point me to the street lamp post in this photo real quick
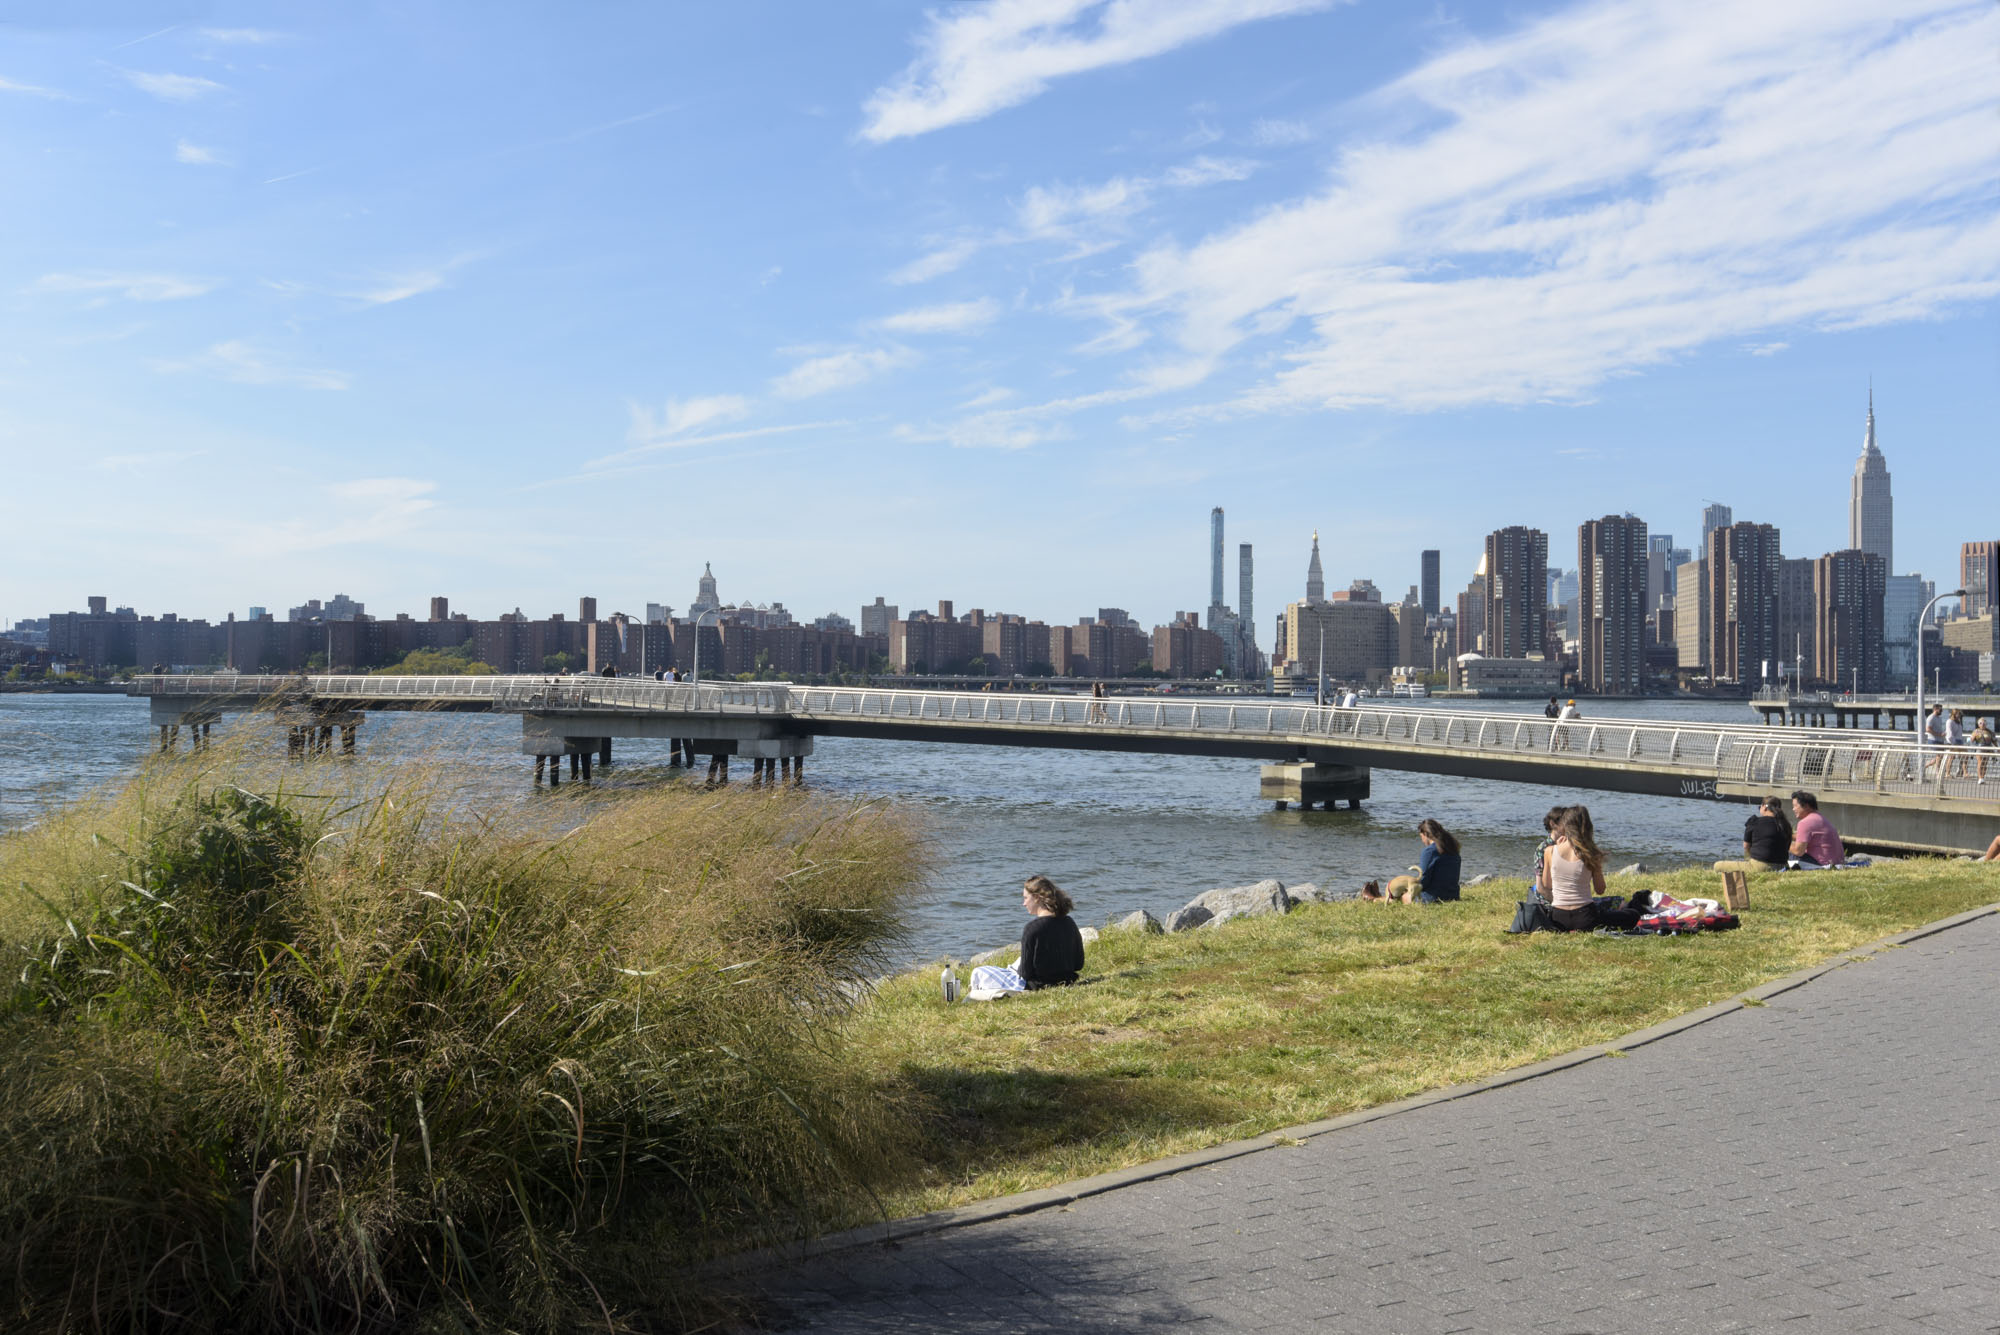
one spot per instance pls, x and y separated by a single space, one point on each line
713 611
1921 618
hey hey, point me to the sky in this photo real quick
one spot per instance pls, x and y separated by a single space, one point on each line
515 303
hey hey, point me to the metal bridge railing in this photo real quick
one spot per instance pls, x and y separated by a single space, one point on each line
1701 754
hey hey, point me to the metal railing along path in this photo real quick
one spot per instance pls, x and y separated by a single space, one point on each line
1701 755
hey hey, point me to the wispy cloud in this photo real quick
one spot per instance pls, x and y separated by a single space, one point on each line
937 262
197 156
839 370
33 90
678 416
976 59
143 462
953 318
243 36
1765 349
392 288
172 87
290 176
1604 190
133 287
624 458
248 365
368 510
985 431
1279 133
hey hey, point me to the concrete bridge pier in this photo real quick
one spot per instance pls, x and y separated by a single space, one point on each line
1305 783
604 750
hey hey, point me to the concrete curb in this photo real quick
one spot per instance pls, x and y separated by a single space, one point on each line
1028 1202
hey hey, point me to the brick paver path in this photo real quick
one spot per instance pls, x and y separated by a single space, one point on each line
1826 1162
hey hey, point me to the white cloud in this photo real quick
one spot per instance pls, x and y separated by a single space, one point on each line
242 36
1279 133
1605 190
839 370
937 263
197 156
998 394
403 287
624 458
133 287
976 59
33 90
682 415
953 318
247 365
362 510
173 87
1765 349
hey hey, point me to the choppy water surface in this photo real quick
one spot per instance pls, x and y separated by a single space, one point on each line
1119 832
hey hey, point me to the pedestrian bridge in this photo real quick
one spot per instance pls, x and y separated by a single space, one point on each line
1882 790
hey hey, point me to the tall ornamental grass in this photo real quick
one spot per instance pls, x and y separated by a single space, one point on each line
276 1061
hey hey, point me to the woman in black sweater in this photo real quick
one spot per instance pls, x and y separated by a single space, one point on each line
1767 840
1051 947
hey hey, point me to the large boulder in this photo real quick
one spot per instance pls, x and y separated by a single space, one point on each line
1313 894
1480 879
1245 901
1636 869
1181 920
1088 934
1140 920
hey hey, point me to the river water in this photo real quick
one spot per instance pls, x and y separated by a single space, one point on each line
1119 832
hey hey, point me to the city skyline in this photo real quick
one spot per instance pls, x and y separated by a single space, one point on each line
502 305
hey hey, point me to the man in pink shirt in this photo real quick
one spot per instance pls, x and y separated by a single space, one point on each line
1814 841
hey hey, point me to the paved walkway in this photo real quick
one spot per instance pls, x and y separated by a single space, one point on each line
1826 1162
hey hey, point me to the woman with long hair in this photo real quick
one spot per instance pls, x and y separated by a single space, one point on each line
1573 872
1051 947
1767 840
1436 881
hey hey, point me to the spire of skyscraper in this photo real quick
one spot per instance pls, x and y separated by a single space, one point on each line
1870 506
1315 579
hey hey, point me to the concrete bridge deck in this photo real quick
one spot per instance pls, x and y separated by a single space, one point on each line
1880 789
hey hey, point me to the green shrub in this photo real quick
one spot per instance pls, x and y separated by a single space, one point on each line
272 1062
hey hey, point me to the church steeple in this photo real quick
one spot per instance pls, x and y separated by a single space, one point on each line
1315 579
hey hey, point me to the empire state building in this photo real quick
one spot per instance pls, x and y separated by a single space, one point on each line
1870 511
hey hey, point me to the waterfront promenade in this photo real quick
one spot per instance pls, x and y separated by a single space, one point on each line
1823 1161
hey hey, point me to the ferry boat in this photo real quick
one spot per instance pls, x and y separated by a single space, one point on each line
1411 690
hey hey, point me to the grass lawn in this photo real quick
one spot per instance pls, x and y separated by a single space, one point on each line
1177 1042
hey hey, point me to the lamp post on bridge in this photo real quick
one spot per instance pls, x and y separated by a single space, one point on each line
1922 616
712 611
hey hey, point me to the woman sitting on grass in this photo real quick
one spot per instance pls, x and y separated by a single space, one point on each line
1573 872
1051 947
1767 840
1436 881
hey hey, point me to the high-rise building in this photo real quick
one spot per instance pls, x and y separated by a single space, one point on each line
1903 600
1743 601
705 599
1691 617
1798 610
1430 582
1611 571
1848 588
659 613
1215 557
1315 577
586 610
1870 511
878 616
1517 581
1555 586
1246 612
1715 516
1979 576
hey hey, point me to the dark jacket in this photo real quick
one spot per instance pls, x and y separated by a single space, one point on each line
1051 952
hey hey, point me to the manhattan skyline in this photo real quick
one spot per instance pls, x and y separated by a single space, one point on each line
964 305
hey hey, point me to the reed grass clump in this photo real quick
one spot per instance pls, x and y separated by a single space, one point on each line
278 1061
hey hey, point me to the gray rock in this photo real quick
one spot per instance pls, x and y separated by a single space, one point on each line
1245 901
988 956
1636 869
1312 894
1480 879
1140 921
1180 920
1088 934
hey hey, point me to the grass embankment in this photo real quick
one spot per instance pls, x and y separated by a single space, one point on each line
1184 1041
278 1061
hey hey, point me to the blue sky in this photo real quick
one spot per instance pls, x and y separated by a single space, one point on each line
514 303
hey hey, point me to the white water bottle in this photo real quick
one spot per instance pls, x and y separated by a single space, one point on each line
950 980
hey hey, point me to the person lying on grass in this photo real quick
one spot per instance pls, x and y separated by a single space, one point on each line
1051 947
1436 881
